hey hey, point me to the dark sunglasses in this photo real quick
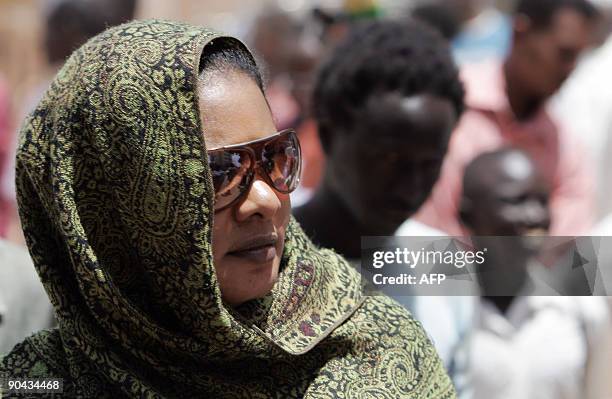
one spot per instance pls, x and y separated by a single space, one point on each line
234 167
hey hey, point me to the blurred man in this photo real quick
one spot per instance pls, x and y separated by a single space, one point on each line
385 103
584 104
525 346
507 106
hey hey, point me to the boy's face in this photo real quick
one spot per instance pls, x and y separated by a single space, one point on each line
507 198
385 168
513 201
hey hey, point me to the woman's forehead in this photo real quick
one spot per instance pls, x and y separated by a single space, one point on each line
233 110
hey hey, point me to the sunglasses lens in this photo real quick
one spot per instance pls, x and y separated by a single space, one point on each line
233 170
281 161
231 174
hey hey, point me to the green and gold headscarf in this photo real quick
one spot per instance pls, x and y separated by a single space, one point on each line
115 196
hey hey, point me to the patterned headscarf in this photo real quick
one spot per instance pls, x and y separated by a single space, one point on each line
115 196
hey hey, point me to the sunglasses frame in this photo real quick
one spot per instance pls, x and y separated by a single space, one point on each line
256 167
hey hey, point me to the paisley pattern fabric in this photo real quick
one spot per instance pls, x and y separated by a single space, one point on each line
115 197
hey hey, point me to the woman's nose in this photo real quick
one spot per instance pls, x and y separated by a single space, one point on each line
262 200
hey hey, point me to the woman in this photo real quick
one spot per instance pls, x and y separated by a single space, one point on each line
153 298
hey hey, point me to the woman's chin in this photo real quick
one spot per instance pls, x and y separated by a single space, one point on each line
250 283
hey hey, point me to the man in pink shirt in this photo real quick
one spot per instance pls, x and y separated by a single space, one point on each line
506 106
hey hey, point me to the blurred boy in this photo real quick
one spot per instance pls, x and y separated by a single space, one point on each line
523 346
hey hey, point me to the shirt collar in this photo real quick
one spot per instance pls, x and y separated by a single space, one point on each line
520 311
486 92
486 87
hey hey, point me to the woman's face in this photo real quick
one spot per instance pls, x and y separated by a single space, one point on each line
248 238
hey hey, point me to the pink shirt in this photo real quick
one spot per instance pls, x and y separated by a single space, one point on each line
489 124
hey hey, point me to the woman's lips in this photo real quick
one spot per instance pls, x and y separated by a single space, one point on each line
256 255
261 249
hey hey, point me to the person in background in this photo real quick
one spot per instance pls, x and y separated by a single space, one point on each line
291 50
24 305
164 238
584 104
507 105
525 346
386 102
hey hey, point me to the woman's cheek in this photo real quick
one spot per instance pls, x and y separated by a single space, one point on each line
222 227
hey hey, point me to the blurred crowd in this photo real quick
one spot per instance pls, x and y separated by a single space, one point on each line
415 118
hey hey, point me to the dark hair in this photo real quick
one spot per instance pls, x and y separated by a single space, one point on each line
229 53
541 12
472 178
380 57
